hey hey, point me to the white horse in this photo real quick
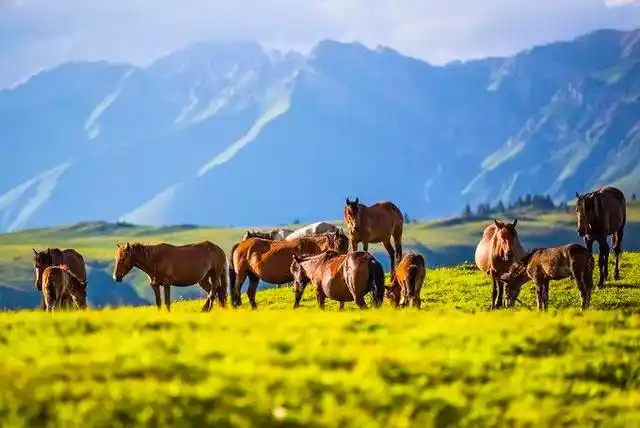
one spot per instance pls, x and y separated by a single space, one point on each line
312 229
273 234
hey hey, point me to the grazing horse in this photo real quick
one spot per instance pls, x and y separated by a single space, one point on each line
312 229
344 278
274 234
496 251
60 285
55 257
202 263
263 259
380 222
546 264
407 280
602 213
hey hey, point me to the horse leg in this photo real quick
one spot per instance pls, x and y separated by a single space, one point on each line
156 292
539 294
222 288
391 251
341 307
617 249
361 303
545 294
494 293
321 297
603 261
397 243
236 296
251 291
167 296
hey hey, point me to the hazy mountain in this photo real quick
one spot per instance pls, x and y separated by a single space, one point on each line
237 134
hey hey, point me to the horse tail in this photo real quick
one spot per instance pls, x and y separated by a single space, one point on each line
376 281
232 274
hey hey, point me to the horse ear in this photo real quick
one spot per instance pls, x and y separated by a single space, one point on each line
514 223
577 195
496 222
34 251
127 246
347 202
357 201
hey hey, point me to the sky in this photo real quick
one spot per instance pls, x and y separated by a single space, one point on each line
37 34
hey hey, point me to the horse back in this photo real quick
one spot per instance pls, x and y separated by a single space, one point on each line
72 259
615 207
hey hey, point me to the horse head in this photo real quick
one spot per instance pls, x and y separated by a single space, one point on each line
300 278
507 244
589 213
338 241
41 260
124 261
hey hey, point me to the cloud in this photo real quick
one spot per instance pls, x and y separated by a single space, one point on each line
36 33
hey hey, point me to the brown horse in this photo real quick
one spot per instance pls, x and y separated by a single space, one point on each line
380 222
267 260
602 213
60 285
546 264
496 251
202 263
55 257
344 278
407 280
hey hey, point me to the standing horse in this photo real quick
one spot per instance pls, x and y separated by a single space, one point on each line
55 257
262 259
59 286
344 278
202 263
543 265
407 280
380 222
496 251
312 229
602 213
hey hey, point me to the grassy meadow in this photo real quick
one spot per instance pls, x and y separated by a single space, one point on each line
453 363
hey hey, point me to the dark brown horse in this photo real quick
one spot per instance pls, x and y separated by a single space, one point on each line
202 263
602 213
344 278
407 280
61 286
55 257
380 222
498 249
543 265
267 260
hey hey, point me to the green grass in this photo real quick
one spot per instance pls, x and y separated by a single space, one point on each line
453 363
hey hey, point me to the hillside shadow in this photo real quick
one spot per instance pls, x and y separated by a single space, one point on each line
11 299
104 291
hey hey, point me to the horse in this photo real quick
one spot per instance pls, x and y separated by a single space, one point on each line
55 257
202 263
380 222
273 234
545 264
60 285
344 278
601 213
498 248
312 229
267 260
407 280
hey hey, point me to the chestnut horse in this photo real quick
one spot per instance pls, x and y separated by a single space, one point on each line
344 278
55 257
543 265
496 251
267 260
60 285
380 222
202 263
602 213
407 280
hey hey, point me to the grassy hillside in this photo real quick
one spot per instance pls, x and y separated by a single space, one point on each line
451 364
444 243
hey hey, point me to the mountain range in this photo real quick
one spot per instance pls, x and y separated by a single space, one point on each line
238 134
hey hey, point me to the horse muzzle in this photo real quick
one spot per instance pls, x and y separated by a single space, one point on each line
117 278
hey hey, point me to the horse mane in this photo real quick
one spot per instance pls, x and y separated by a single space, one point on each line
518 268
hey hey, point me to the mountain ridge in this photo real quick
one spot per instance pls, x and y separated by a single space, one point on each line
237 134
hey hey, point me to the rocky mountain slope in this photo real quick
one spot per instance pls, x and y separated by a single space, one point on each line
236 134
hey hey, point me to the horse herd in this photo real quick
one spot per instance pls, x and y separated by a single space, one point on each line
322 254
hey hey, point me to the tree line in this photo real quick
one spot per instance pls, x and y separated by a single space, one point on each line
539 202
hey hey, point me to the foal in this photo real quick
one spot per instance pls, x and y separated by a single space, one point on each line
545 264
59 285
406 281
